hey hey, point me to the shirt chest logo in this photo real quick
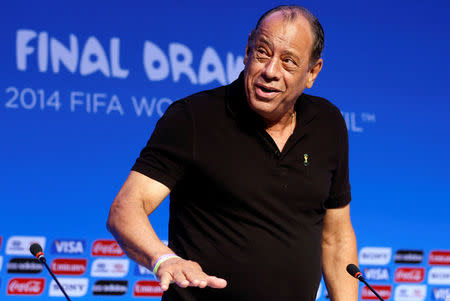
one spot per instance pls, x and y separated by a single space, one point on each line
305 159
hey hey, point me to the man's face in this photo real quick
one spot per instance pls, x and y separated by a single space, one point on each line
277 65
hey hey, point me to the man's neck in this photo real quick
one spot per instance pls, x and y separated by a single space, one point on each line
281 130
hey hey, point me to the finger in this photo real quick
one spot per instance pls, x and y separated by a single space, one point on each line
165 281
196 279
216 282
180 279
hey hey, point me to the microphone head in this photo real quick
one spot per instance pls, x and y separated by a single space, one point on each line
35 249
354 271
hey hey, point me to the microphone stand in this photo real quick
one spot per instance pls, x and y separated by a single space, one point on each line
368 285
44 262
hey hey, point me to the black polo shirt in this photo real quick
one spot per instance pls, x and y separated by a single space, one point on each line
242 209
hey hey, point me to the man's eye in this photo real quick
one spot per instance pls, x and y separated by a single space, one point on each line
261 51
289 61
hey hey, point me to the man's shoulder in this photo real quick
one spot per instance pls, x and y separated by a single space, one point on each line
323 104
323 107
205 97
204 103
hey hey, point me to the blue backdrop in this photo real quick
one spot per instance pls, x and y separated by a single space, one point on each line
82 85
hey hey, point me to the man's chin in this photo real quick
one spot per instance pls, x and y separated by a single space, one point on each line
262 108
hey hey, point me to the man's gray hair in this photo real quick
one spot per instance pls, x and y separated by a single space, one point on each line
291 12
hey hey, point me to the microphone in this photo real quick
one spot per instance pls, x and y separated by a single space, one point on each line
37 252
354 271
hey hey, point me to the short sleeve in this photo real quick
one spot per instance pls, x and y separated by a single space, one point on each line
340 194
169 150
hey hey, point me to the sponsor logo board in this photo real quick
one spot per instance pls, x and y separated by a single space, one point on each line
376 274
406 292
68 246
439 275
440 293
439 257
110 267
409 274
25 286
65 266
106 247
408 256
24 266
74 287
147 288
374 256
143 271
110 287
20 245
385 291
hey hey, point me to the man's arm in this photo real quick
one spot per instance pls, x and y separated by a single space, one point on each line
338 250
128 222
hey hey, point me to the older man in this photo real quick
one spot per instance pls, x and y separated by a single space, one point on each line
258 176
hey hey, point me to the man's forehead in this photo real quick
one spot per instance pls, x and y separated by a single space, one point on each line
280 20
276 27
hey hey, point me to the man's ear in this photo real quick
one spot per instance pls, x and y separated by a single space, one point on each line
313 72
247 51
248 47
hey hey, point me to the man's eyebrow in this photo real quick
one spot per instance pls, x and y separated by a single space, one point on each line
293 54
265 41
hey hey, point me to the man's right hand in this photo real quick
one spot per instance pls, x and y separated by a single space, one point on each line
186 273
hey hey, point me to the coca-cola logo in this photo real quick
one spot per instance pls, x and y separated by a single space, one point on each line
106 247
385 291
147 288
69 266
26 286
439 257
414 275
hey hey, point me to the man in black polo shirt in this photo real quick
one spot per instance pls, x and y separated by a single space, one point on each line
258 176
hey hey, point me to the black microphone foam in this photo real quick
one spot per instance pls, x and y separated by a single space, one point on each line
353 270
35 249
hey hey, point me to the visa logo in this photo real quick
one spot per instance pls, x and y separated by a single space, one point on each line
441 293
68 246
143 271
376 274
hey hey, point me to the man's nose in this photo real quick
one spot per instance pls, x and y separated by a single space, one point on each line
272 69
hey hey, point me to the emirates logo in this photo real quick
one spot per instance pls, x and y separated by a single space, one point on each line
147 288
69 266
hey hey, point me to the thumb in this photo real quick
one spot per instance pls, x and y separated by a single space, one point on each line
165 280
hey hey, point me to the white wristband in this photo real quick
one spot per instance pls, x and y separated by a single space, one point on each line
161 259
